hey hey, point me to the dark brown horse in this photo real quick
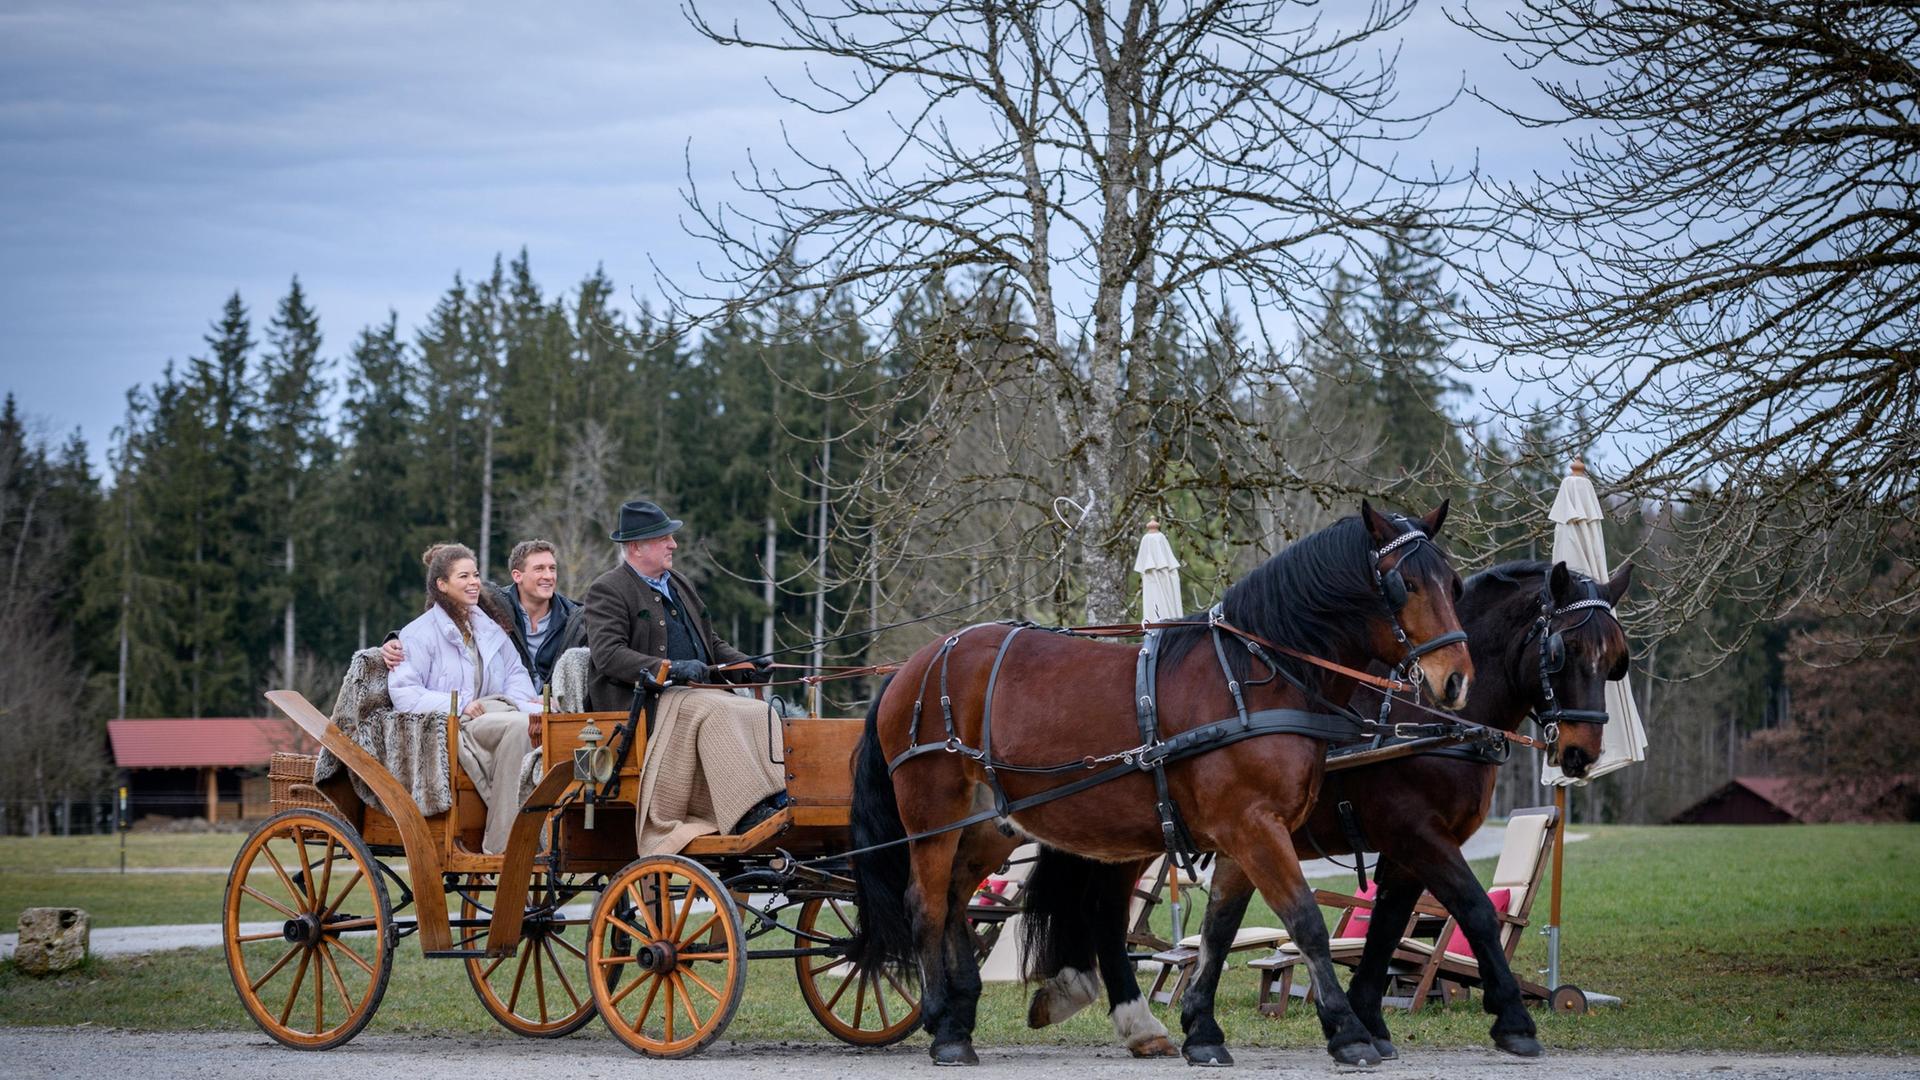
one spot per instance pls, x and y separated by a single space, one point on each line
1544 644
1368 588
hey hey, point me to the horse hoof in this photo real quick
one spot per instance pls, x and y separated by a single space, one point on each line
1386 1049
1157 1046
1518 1044
1357 1053
1208 1057
955 1053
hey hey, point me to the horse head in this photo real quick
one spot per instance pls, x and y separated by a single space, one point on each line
1414 625
1576 647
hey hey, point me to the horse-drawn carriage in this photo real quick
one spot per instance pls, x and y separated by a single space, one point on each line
567 922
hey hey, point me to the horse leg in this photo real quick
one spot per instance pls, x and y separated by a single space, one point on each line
1205 1043
1266 854
1062 893
932 908
1454 885
1392 906
1133 1021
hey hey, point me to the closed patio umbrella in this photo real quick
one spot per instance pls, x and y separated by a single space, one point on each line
1159 577
1577 541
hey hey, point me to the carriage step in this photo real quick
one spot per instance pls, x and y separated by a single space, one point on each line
455 954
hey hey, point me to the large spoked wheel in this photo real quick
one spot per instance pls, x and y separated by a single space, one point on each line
666 958
308 930
538 992
859 1006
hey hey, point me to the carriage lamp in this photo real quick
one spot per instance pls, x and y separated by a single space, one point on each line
592 765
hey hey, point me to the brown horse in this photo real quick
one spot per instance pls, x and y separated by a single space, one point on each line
1368 588
1545 644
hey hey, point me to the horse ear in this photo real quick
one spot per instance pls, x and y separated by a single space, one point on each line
1377 527
1617 586
1559 582
1433 522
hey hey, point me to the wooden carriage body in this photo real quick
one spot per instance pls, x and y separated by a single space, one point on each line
509 915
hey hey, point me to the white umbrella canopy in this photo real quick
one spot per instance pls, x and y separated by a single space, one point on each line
1159 577
1577 541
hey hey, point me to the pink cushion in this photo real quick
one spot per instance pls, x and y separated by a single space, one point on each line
1458 944
1354 922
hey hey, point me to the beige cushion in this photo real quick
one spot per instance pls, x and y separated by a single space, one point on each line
1520 852
1249 937
1288 953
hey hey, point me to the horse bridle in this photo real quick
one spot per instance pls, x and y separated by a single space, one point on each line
1392 587
1553 658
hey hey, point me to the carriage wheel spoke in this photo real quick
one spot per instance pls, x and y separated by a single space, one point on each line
701 983
344 925
646 916
669 1004
340 984
319 995
495 966
274 970
352 883
839 961
834 906
519 974
353 956
895 983
663 895
686 1002
628 930
614 1001
859 999
326 874
845 985
560 973
880 1000
269 935
269 901
306 870
299 978
695 936
539 980
299 898
680 921
569 946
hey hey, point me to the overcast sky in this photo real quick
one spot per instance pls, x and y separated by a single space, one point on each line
155 157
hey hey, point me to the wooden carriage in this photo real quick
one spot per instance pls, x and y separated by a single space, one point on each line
570 921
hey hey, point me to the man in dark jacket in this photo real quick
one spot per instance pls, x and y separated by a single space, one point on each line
545 623
643 613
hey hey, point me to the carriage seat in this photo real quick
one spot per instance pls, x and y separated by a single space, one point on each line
413 746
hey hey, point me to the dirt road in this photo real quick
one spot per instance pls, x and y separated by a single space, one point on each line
67 1052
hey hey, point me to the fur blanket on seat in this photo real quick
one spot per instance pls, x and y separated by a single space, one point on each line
413 746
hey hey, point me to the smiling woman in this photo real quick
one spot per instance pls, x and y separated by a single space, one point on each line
453 656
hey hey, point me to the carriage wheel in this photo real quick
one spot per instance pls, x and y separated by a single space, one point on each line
665 956
308 930
539 991
858 1005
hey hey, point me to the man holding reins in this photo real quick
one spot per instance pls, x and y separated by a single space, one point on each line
642 614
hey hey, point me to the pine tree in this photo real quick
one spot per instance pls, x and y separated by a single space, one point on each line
1420 449
385 525
295 452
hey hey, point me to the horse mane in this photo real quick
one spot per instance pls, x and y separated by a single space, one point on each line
1305 598
1524 578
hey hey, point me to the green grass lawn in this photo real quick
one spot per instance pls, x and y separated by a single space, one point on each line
1795 938
36 872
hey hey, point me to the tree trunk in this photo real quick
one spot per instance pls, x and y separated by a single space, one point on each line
768 557
287 627
486 491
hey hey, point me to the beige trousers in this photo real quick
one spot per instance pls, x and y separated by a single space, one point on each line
492 746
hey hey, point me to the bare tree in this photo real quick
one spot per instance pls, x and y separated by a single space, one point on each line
1726 277
573 511
1112 171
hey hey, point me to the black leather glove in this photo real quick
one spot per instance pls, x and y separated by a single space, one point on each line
763 668
686 671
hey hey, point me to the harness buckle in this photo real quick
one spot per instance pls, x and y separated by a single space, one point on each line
1409 729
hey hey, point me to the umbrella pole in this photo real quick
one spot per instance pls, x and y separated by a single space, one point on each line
1553 915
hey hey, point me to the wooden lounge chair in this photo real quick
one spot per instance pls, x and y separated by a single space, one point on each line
1441 966
1176 962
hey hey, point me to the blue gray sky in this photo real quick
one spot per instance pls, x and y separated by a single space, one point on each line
157 156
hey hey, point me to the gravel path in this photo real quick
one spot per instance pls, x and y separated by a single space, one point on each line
45 1052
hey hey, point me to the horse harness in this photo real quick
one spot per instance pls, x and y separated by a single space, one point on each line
1154 754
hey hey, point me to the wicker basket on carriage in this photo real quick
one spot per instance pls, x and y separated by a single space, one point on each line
290 784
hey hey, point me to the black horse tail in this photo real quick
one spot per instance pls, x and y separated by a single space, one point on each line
1068 902
880 878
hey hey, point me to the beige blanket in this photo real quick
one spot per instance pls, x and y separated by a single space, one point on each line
709 759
